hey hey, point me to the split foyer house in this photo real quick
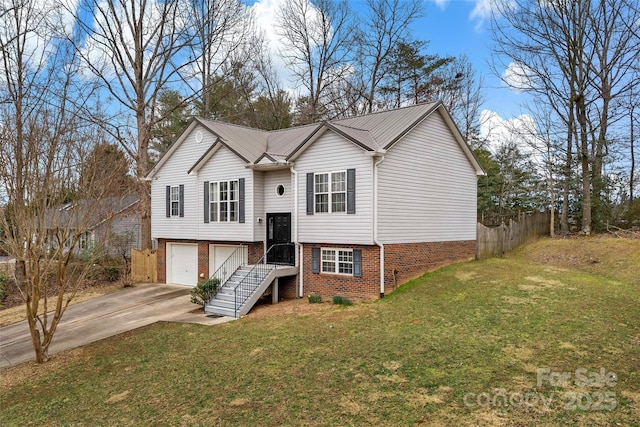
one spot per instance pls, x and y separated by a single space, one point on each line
350 207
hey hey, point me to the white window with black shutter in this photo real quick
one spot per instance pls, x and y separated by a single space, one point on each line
331 192
224 201
175 201
337 261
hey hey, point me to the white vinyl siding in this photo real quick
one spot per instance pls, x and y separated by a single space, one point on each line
174 173
225 168
427 188
328 153
255 191
273 203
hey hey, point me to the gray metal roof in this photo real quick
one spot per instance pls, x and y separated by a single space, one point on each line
284 141
372 132
385 127
247 142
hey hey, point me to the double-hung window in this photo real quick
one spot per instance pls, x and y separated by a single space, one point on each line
175 200
337 261
330 191
224 201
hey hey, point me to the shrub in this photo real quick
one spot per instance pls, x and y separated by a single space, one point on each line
204 291
4 284
339 300
111 273
315 299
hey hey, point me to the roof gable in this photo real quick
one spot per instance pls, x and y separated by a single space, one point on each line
374 132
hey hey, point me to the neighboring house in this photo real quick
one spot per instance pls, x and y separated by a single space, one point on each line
356 206
112 223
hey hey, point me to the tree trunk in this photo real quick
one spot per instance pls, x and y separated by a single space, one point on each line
633 157
584 160
144 187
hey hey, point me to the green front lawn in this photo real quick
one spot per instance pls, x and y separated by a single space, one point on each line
479 343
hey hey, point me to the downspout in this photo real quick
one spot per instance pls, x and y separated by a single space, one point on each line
375 222
299 254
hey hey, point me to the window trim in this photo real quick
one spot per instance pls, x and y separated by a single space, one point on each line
336 261
175 200
330 192
215 199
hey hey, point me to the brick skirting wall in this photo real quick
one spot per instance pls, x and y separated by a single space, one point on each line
406 261
288 287
254 252
328 285
403 262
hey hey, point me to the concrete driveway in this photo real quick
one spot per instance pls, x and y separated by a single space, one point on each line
106 316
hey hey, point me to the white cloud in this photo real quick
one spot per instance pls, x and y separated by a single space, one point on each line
483 10
518 76
520 131
266 16
40 22
442 4
265 12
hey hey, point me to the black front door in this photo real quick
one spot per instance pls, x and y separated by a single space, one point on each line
279 234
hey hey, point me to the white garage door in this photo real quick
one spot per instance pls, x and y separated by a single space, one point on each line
218 254
183 263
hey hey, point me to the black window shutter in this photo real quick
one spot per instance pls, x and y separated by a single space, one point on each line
310 193
181 203
241 200
357 262
315 260
206 202
168 201
351 191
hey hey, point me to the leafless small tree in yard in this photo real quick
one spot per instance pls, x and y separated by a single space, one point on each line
46 216
122 243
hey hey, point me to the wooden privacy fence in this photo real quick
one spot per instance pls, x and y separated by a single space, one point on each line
496 241
144 266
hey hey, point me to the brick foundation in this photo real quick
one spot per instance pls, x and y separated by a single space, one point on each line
403 262
288 287
328 285
406 261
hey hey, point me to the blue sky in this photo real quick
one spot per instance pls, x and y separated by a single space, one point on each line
461 27
452 28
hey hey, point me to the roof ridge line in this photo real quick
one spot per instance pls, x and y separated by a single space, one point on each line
421 104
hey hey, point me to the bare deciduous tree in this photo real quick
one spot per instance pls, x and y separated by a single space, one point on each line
222 33
577 57
385 25
318 39
135 49
42 139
